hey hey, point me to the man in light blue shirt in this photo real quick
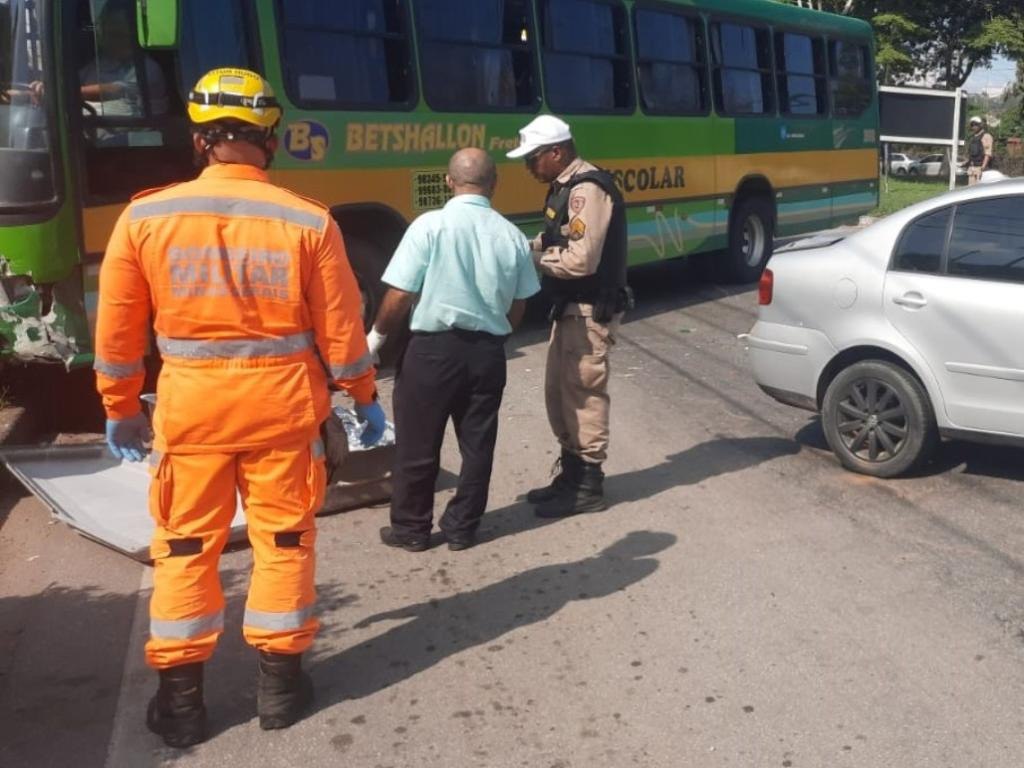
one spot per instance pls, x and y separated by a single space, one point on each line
466 272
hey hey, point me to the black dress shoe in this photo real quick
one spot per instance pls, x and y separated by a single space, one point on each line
460 541
391 538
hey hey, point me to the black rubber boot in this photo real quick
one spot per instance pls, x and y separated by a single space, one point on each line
177 711
570 466
585 495
284 690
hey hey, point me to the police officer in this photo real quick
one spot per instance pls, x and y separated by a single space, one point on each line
979 151
581 255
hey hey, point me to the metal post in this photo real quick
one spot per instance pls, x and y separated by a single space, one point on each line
955 151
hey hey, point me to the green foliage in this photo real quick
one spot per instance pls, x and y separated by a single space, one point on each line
894 58
898 194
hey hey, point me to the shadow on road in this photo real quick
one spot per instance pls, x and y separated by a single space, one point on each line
61 660
433 630
718 456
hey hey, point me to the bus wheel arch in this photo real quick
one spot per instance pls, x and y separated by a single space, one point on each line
371 233
752 219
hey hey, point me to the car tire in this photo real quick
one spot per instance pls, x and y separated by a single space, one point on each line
878 419
368 262
901 171
915 171
751 239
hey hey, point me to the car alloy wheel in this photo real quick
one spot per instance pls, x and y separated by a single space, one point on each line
878 419
876 426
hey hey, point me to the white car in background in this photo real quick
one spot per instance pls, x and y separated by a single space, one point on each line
900 164
905 331
934 165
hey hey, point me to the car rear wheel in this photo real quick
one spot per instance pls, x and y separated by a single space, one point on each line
878 419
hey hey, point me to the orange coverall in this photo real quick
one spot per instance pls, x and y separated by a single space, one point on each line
254 305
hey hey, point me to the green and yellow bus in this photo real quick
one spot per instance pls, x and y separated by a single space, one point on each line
726 122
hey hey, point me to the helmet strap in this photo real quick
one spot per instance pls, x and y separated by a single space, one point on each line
259 137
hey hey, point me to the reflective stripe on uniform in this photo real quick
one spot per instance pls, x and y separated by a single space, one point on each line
278 622
186 629
228 206
351 370
209 349
118 370
317 448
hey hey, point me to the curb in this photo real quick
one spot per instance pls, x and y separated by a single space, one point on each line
16 425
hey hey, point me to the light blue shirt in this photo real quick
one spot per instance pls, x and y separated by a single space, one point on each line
468 263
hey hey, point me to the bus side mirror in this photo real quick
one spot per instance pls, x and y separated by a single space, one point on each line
158 23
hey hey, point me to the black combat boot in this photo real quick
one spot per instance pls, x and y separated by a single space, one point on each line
584 495
570 466
177 712
284 690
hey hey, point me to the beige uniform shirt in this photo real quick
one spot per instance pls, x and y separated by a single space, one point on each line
590 212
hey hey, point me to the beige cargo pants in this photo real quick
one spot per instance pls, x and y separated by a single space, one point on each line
576 383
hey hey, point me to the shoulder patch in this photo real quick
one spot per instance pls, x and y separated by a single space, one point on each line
577 203
577 228
312 201
154 190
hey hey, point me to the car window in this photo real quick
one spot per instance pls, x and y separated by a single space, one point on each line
921 246
988 240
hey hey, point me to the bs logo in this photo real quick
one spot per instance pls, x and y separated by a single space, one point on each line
307 140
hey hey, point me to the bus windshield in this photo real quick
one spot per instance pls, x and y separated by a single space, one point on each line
26 160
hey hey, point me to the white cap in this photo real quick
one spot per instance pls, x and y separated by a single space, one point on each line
975 119
541 132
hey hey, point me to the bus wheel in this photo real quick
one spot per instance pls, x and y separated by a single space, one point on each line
751 237
368 261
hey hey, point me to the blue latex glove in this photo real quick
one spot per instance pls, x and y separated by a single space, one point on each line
376 422
125 437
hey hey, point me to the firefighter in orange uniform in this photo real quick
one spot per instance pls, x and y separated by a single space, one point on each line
255 311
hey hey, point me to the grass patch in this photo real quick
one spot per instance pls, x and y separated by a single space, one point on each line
898 193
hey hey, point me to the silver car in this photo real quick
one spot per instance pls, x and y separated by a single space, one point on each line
904 332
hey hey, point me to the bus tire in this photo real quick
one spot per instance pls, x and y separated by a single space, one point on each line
368 262
751 238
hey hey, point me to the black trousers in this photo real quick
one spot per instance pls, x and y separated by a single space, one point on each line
458 375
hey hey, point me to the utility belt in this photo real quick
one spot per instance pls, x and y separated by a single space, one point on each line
606 305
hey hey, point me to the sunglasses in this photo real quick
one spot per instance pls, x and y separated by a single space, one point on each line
533 156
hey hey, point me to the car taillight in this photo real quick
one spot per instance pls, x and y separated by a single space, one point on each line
765 288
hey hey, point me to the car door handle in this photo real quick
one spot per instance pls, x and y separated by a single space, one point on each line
911 300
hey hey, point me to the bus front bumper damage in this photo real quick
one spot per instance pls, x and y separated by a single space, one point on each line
43 323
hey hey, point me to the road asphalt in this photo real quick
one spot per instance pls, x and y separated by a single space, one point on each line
744 601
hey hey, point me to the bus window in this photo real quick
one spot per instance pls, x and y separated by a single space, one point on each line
586 56
743 69
213 34
850 65
116 79
346 55
26 110
670 63
477 56
133 119
800 63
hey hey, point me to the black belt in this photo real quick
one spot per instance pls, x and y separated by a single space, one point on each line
462 333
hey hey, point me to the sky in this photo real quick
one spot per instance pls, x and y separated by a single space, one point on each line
995 77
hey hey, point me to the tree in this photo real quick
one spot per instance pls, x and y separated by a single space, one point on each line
894 57
940 41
